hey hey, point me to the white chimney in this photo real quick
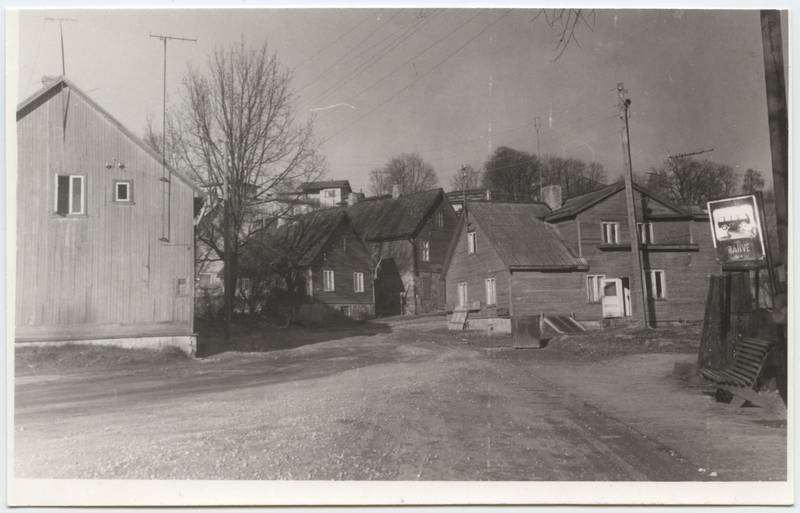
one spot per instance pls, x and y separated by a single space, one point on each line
395 191
551 195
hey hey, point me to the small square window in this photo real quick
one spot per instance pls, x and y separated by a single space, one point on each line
182 287
123 191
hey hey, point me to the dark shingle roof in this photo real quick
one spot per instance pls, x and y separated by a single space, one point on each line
576 204
330 184
307 235
383 218
521 239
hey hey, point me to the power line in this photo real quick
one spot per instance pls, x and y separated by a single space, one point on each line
347 53
404 64
334 41
406 33
428 72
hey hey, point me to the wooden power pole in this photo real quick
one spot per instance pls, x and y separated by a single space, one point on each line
778 121
637 271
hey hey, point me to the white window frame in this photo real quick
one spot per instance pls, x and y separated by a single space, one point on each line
70 209
645 237
651 276
328 280
606 233
129 185
594 287
358 281
463 293
426 251
439 219
491 291
472 243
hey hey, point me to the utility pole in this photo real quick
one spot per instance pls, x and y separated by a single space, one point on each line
61 33
166 175
777 115
637 271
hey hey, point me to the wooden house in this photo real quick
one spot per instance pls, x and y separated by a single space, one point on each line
330 193
505 261
677 254
105 235
335 264
407 236
575 260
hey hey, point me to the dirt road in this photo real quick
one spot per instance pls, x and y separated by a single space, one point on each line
404 404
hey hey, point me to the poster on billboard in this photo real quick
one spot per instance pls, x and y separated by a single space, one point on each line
737 230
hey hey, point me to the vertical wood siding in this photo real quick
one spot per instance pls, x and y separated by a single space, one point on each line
474 269
105 273
343 261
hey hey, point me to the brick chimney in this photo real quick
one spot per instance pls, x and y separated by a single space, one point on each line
551 195
395 191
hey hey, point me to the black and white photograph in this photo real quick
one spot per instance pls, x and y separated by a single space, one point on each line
417 255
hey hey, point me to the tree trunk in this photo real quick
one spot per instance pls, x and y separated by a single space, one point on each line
229 278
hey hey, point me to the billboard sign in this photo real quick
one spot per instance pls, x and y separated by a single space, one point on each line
737 230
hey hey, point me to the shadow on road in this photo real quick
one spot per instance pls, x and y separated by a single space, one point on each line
252 336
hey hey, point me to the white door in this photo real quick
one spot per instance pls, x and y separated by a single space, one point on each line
462 294
613 298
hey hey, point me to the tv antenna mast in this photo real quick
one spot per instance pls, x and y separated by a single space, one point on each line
61 34
164 174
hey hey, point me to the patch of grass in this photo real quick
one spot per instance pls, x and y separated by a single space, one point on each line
76 357
611 342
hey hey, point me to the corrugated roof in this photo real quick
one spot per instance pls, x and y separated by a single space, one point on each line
383 218
329 184
522 240
307 235
61 82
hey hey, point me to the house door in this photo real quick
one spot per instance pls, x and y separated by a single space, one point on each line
613 303
388 289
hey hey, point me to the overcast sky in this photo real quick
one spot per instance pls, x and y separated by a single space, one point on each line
458 82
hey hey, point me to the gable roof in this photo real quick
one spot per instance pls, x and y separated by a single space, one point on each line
307 235
383 218
577 204
329 184
59 83
521 239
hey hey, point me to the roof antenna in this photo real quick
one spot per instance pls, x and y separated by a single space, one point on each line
61 32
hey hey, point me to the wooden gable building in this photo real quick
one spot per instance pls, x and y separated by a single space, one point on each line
105 240
575 260
335 264
407 236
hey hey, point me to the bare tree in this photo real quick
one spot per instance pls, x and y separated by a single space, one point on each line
237 134
465 178
692 182
408 171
